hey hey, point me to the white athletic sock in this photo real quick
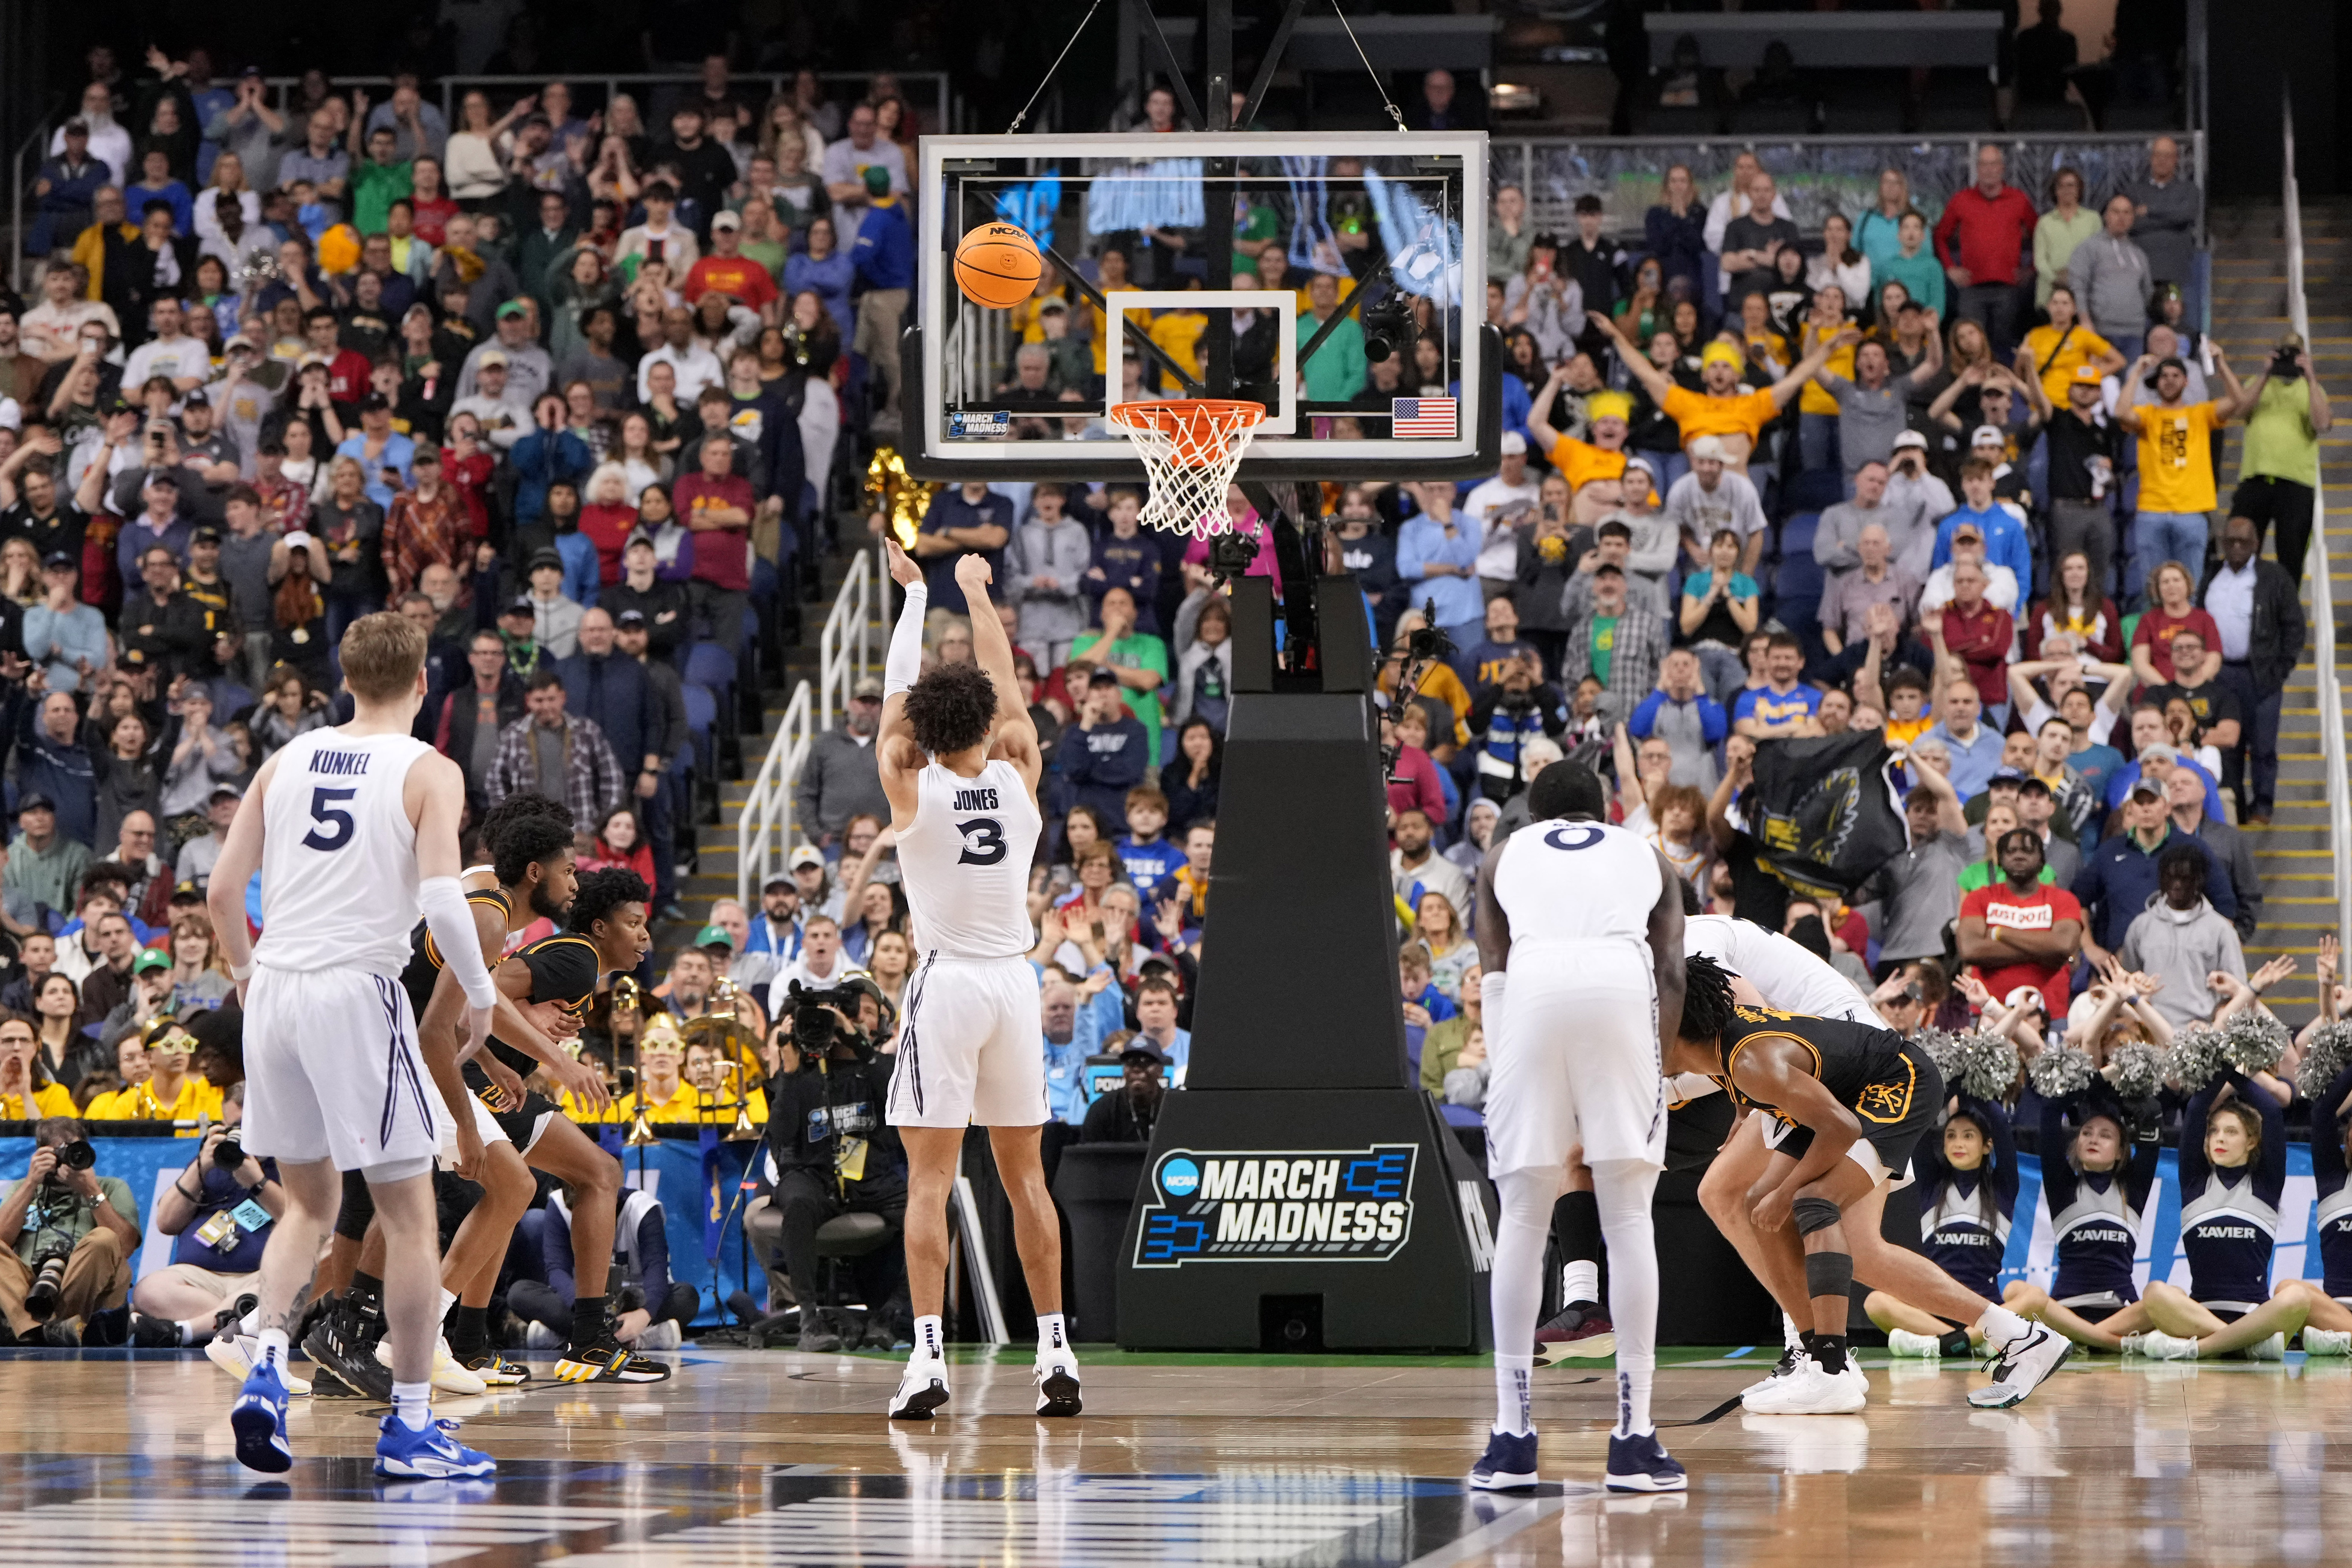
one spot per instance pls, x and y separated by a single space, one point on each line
1515 1290
1623 1189
928 1339
1580 1281
1052 1335
1791 1339
1514 1393
196 1330
274 1349
449 1300
413 1402
2001 1325
250 1324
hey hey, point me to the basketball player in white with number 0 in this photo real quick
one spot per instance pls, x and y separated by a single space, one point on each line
959 764
355 831
1585 922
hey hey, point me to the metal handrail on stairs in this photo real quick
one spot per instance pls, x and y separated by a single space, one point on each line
766 830
2330 690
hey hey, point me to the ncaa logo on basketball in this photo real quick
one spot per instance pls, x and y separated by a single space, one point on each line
1336 1205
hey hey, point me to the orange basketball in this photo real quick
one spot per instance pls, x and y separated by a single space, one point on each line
996 265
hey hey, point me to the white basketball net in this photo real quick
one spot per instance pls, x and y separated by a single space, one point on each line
1191 450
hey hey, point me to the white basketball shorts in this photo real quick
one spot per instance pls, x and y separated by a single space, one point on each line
972 1047
1577 1059
332 1071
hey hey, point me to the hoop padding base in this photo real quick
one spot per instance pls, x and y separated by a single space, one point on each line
1191 447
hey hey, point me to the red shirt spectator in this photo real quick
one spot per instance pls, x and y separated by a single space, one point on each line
469 469
1987 227
1977 636
722 562
1414 787
347 378
739 277
608 526
2158 625
2029 932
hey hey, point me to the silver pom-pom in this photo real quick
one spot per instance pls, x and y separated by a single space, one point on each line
1943 1049
2327 1051
2136 1070
1984 1066
2253 1041
2195 1057
2060 1071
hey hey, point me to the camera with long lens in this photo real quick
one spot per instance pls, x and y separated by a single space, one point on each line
77 1156
2285 358
1388 326
228 1154
817 1018
48 1284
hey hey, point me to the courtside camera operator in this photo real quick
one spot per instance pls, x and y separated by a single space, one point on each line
219 1210
72 1232
829 1152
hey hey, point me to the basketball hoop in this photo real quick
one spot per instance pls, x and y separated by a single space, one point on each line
1191 448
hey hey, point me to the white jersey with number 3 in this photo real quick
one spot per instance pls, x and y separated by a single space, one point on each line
965 862
1577 881
338 854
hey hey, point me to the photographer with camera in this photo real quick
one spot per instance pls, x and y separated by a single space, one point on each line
829 1152
71 1233
219 1211
2279 470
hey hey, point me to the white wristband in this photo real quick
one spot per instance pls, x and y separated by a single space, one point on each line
241 971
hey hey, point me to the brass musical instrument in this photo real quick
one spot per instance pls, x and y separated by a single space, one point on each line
626 992
745 1129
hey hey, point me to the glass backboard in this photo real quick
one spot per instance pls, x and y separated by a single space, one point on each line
1380 369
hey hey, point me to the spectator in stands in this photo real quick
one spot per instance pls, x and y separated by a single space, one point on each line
1716 495
2175 460
1415 867
1735 418
1733 203
2173 611
2111 275
1972 748
1679 712
1983 232
1751 245
1849 598
2119 879
715 504
2166 209
1618 642
1047 561
2182 940
2279 472
1783 706
965 520
2184 797
1106 752
1872 406
1138 660
609 687
1437 558
556 753
1126 1114
840 778
1917 892
1674 229
2255 607
2021 930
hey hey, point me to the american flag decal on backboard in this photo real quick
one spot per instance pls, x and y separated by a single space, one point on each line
1421 417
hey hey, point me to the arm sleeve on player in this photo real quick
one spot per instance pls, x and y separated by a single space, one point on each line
906 657
1490 1005
451 921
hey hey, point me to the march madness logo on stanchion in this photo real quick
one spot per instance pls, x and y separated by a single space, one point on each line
1335 1205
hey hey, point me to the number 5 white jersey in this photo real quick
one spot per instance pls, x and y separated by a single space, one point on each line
1577 882
338 854
965 862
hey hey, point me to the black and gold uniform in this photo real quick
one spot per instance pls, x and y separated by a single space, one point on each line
1892 1086
565 970
424 960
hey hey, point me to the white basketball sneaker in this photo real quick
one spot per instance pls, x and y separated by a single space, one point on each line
2271 1349
2157 1345
235 1353
923 1388
1057 1382
2327 1341
1809 1390
1903 1341
449 1375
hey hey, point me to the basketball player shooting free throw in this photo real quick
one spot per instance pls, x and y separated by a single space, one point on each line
959 763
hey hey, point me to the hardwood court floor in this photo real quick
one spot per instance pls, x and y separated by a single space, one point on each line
750 1459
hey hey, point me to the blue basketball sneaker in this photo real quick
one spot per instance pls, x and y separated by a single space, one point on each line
1641 1463
1508 1464
259 1419
433 1454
